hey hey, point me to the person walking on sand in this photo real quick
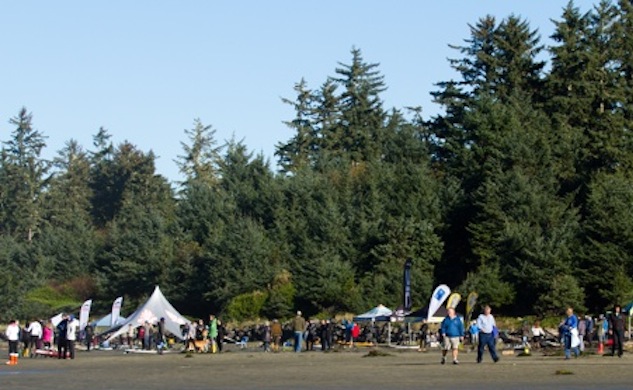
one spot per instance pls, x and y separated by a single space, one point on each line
486 324
570 334
298 326
452 331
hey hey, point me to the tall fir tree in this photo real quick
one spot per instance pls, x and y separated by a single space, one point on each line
23 178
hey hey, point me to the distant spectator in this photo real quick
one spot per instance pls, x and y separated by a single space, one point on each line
62 340
537 333
473 330
90 332
582 331
35 331
266 336
616 330
13 336
71 334
220 337
47 335
276 333
298 327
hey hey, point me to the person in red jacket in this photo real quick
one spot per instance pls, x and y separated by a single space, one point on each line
355 333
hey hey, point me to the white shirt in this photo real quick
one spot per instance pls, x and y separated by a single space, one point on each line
35 328
71 330
13 332
537 332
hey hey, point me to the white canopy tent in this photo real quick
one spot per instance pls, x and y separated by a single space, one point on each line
106 321
378 313
155 308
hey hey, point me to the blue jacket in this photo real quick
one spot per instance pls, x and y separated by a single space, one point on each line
571 322
452 327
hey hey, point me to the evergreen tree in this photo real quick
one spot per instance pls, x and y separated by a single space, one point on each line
68 224
139 245
607 260
199 163
303 147
23 178
359 130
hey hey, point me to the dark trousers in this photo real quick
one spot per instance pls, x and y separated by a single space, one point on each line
487 339
62 348
618 339
13 347
34 344
325 343
71 348
219 341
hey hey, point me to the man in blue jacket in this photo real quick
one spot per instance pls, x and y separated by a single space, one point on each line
452 332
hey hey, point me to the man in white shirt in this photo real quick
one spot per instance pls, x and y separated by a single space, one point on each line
35 330
71 334
487 324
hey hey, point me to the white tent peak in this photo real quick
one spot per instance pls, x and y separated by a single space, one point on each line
155 308
378 312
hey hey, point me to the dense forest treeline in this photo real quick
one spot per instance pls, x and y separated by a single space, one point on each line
520 190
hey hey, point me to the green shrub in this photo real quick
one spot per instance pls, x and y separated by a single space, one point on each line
246 306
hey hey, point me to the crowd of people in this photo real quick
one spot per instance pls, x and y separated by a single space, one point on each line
43 336
575 333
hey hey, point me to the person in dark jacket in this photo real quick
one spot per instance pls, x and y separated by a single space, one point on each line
90 333
323 335
62 338
616 329
220 337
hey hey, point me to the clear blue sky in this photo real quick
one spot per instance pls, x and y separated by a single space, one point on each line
146 69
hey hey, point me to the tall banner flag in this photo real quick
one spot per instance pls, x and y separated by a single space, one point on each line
84 313
453 300
57 319
439 296
470 304
406 283
116 311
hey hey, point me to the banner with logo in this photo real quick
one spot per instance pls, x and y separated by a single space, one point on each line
407 304
439 296
470 304
453 300
116 311
84 314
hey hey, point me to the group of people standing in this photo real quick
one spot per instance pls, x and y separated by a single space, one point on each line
41 336
203 337
573 330
310 331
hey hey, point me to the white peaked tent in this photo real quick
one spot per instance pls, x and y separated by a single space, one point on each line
106 321
155 308
378 313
